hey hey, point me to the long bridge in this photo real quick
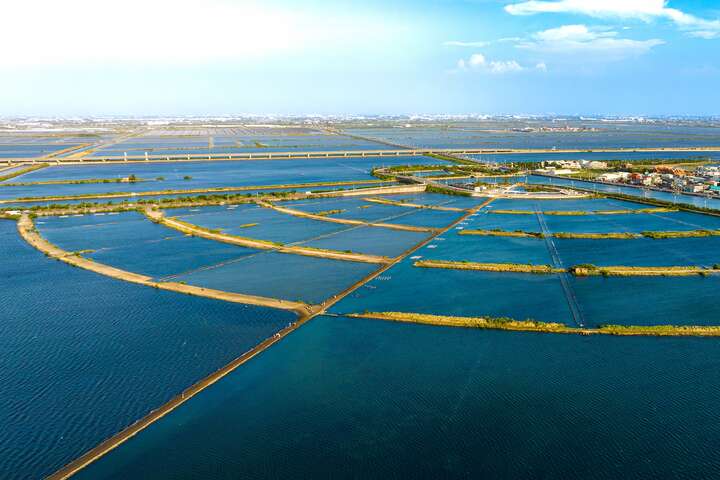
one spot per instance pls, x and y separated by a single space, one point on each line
377 153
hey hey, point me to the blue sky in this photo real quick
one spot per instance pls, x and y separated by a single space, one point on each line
173 57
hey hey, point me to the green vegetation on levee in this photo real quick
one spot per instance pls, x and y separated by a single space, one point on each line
130 179
488 267
502 233
23 171
446 191
505 323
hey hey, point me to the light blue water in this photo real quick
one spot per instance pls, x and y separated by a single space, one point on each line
83 355
371 399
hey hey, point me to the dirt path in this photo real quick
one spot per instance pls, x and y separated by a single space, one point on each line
184 227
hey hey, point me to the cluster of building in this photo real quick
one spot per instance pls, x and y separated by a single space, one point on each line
565 167
705 179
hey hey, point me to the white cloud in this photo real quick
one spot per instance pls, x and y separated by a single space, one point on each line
541 66
454 43
644 10
598 43
508 66
478 62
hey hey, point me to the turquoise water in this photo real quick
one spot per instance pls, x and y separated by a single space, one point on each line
406 288
486 221
703 251
649 301
631 222
588 204
371 399
488 249
84 356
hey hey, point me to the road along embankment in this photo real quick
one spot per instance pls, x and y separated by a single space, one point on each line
29 233
158 216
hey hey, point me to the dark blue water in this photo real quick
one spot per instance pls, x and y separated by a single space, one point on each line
83 355
349 398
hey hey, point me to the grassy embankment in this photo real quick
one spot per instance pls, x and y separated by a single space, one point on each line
502 233
583 270
504 323
585 212
23 171
405 203
218 235
201 191
488 267
598 236
77 182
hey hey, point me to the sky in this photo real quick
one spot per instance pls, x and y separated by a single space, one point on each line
338 57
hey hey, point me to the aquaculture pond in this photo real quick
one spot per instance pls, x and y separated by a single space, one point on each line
371 240
498 402
507 136
649 301
131 242
488 249
109 197
567 204
704 251
629 156
222 172
85 356
215 144
31 150
406 288
636 223
284 276
256 222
